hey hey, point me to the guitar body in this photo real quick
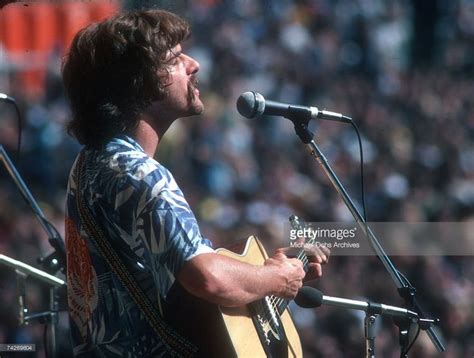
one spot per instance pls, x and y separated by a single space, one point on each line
233 331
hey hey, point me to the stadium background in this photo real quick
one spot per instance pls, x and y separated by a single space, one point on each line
402 69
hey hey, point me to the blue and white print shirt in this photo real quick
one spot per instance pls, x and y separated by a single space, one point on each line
142 211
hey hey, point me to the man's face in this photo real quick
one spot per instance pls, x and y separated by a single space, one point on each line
182 94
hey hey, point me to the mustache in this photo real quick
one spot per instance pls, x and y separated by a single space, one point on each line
192 84
194 80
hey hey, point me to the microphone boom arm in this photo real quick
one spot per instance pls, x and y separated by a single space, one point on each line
370 307
404 288
58 257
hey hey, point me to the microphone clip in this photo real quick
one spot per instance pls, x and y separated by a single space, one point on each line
300 121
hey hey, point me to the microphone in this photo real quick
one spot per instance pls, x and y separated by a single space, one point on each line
253 105
4 97
309 297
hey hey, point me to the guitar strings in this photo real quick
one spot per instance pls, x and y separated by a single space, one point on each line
276 302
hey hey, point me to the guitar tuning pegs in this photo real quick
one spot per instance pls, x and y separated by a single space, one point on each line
294 221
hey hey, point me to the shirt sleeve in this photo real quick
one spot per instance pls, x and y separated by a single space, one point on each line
179 239
174 236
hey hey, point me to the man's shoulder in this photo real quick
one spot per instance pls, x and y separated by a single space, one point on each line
126 158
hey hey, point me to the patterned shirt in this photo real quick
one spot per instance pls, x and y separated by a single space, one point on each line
140 208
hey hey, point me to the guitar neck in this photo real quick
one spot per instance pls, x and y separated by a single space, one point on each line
280 304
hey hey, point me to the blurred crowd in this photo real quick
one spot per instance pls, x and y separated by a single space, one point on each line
403 70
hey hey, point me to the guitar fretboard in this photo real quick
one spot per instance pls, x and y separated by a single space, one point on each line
278 304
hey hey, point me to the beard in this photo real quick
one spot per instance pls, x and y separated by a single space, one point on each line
192 100
176 103
193 81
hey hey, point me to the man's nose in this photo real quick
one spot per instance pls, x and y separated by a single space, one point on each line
192 65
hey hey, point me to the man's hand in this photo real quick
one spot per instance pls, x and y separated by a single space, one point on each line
288 271
317 256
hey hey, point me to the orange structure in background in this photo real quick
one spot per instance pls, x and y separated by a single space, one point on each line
31 32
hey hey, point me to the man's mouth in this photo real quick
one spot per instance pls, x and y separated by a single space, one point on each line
193 91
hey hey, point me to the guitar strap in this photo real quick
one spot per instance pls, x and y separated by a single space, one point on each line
174 342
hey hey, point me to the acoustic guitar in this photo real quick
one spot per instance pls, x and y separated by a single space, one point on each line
263 328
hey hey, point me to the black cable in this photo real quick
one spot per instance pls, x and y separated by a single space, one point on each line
55 240
11 100
412 342
45 340
361 153
407 283
20 129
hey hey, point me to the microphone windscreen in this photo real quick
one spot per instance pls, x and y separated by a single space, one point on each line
246 104
309 297
250 104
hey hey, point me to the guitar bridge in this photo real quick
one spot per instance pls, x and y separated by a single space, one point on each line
268 320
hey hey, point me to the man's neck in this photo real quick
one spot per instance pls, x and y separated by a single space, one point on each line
148 134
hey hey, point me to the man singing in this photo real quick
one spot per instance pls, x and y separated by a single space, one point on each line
127 79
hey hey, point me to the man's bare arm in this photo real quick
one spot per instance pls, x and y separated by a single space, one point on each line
228 282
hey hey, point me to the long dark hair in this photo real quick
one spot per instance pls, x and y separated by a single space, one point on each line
114 70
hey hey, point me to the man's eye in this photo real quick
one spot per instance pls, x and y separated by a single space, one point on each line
174 61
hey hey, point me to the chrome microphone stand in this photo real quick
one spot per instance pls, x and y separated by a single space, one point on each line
52 263
50 317
57 260
309 297
405 289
